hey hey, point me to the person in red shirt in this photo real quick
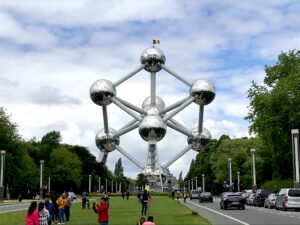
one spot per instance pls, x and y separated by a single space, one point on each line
102 210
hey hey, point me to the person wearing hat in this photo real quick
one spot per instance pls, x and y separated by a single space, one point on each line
102 211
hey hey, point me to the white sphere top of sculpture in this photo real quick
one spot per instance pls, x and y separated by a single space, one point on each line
152 57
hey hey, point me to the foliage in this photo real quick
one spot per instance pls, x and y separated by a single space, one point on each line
274 111
119 171
141 180
278 184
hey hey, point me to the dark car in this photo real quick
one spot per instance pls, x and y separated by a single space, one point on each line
205 197
260 198
231 199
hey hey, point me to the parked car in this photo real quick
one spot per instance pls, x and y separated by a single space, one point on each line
270 201
249 200
246 194
288 198
194 194
231 199
205 197
260 197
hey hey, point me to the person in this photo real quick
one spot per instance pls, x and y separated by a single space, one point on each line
184 196
139 195
49 206
142 221
68 204
127 194
149 221
145 201
123 194
84 195
54 198
32 216
43 214
61 209
88 201
173 194
102 211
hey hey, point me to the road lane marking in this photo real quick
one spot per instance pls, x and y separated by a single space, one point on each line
239 221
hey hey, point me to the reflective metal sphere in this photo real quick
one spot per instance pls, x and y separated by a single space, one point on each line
151 57
149 109
199 140
108 141
204 90
100 92
152 128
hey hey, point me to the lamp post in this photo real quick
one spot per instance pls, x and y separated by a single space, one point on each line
99 184
196 183
41 177
192 184
106 185
90 183
203 182
2 162
238 180
49 184
230 174
189 185
253 152
296 156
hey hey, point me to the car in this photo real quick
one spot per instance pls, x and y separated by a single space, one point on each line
194 194
72 195
249 200
205 197
288 198
231 199
260 197
270 201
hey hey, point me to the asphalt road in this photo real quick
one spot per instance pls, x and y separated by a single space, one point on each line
250 216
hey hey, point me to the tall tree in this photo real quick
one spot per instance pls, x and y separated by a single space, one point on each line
274 110
141 180
119 171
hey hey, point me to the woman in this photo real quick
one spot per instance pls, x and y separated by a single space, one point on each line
61 209
43 214
32 216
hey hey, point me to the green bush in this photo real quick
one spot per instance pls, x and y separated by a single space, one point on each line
278 184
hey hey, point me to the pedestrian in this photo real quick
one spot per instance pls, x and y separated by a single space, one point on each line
127 194
49 206
54 198
88 201
142 221
68 204
173 194
139 195
102 211
43 214
32 215
184 196
149 221
61 209
123 194
145 201
84 195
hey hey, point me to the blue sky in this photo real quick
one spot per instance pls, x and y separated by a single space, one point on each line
52 51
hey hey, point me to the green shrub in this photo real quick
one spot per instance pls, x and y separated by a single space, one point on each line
278 184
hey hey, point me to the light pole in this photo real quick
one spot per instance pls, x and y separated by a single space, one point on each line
230 174
253 152
106 185
196 183
192 184
296 156
189 185
112 186
41 177
49 184
203 182
2 162
90 183
238 177
99 184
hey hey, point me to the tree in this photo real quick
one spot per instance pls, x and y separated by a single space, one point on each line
180 180
274 111
52 138
141 180
119 171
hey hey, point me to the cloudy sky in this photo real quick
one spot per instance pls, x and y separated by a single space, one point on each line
52 51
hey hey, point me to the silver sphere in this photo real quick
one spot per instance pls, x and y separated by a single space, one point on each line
152 57
108 141
100 92
199 140
204 90
152 128
152 109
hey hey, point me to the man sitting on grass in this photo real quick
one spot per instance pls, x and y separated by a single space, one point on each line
149 221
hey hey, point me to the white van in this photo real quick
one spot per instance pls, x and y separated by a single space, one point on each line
288 198
194 194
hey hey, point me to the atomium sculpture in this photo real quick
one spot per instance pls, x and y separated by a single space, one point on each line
154 117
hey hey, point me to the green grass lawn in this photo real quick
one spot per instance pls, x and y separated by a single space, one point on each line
124 212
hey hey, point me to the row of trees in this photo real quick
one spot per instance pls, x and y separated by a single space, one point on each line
274 110
69 166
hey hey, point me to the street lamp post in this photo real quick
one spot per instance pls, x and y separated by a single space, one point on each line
189 185
192 184
99 184
230 174
196 183
238 178
2 162
296 156
253 152
106 185
90 183
41 178
203 182
49 184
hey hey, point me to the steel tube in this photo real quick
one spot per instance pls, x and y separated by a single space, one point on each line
175 75
142 66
